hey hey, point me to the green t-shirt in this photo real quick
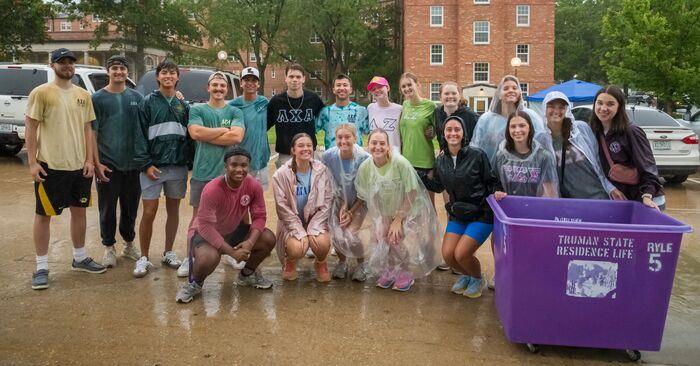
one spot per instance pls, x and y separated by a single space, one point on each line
414 146
208 158
116 119
384 189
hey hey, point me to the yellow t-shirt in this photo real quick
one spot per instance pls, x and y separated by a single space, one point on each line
62 115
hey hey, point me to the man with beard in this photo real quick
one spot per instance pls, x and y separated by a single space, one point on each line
58 119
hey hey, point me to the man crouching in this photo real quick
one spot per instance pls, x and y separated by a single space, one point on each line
218 227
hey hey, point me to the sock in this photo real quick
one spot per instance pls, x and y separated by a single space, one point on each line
79 254
42 262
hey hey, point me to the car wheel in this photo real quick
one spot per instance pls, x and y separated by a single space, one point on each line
10 149
676 179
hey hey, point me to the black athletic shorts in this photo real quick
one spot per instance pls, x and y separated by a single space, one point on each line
232 239
61 189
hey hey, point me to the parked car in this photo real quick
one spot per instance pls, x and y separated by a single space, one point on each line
693 122
674 145
18 80
192 84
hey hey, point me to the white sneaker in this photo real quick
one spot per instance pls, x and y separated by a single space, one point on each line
234 263
333 253
310 253
109 259
184 269
142 266
170 259
131 252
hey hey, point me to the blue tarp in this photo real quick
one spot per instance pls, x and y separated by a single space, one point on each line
576 90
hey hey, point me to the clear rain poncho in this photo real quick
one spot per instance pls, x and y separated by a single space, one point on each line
346 240
533 175
391 189
490 129
581 139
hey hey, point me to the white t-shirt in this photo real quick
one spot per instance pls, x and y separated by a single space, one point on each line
386 119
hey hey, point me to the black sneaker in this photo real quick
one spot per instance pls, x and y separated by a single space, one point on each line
88 265
40 279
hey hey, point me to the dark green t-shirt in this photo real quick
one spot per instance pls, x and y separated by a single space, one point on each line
116 119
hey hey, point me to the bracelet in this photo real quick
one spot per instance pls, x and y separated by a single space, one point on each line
646 195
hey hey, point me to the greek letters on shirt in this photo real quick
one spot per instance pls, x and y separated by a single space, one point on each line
389 124
295 116
225 122
303 191
521 174
81 102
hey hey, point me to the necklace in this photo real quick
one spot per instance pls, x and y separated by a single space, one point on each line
227 184
300 104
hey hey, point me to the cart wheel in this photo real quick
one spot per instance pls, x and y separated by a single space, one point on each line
633 354
533 348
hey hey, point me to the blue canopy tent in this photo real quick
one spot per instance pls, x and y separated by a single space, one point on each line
579 92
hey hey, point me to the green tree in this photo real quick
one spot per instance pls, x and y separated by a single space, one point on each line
23 23
242 26
579 47
655 47
134 25
352 37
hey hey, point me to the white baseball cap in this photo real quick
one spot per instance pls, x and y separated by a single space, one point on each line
250 71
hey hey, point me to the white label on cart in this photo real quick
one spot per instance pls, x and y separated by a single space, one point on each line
655 250
591 279
595 246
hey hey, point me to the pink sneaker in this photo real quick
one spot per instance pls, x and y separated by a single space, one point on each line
386 278
404 281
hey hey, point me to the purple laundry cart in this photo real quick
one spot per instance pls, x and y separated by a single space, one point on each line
585 273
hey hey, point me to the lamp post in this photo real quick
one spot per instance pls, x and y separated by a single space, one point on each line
221 55
515 62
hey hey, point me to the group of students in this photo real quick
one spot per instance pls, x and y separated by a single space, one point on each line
374 205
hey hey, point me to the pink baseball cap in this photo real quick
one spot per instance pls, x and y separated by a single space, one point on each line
377 80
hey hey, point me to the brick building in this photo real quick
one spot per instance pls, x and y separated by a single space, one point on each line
473 42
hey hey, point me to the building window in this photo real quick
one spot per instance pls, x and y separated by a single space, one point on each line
95 18
313 75
436 16
522 51
148 63
436 54
274 91
49 26
522 15
315 38
318 91
524 88
251 57
481 2
81 25
273 74
435 91
231 58
481 32
481 72
65 27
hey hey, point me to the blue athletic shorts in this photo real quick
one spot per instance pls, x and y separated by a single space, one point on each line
476 230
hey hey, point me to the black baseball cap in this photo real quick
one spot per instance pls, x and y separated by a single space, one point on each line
61 53
117 60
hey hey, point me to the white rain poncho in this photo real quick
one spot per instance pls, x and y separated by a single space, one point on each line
346 240
490 129
391 189
533 174
583 142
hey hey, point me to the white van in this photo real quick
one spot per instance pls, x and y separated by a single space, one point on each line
18 80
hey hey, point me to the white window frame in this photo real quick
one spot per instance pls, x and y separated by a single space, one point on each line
525 89
441 54
81 25
274 91
66 26
314 39
273 74
475 72
526 60
49 26
433 10
435 91
476 104
95 18
482 2
251 57
488 32
518 15
318 91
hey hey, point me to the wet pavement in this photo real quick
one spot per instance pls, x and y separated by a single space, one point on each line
116 319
